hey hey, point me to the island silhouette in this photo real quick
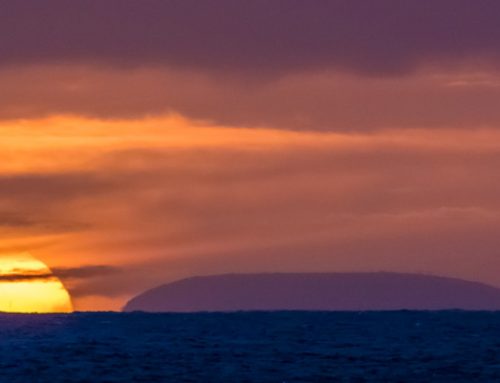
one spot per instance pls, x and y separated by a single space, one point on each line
317 291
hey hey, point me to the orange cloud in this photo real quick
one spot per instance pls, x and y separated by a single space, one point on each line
165 197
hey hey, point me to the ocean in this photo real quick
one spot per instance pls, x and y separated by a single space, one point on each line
398 346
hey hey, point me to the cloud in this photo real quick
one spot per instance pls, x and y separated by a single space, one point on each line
325 101
65 274
33 205
258 37
84 272
206 199
55 186
168 214
25 277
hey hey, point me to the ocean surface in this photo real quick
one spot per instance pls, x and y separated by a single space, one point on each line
403 346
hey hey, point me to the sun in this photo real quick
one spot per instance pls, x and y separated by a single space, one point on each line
27 285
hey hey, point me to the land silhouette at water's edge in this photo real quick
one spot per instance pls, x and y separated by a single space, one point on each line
317 291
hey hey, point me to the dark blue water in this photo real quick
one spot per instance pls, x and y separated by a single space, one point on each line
251 347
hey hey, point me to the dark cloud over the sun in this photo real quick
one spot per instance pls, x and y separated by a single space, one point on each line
68 273
259 37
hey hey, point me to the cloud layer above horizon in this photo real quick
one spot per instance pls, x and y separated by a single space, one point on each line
163 139
255 37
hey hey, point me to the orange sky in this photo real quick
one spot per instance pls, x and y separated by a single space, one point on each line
329 137
160 198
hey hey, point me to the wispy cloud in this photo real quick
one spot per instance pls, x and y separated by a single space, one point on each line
85 272
74 273
26 277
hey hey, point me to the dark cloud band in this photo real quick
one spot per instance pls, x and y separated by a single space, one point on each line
83 272
385 36
26 277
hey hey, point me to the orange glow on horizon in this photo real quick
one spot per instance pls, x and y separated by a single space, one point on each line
91 188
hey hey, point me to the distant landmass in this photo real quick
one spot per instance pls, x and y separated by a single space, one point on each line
317 291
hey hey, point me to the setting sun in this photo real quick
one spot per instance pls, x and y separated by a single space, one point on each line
28 286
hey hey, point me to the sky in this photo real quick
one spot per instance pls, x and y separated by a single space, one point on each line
143 142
